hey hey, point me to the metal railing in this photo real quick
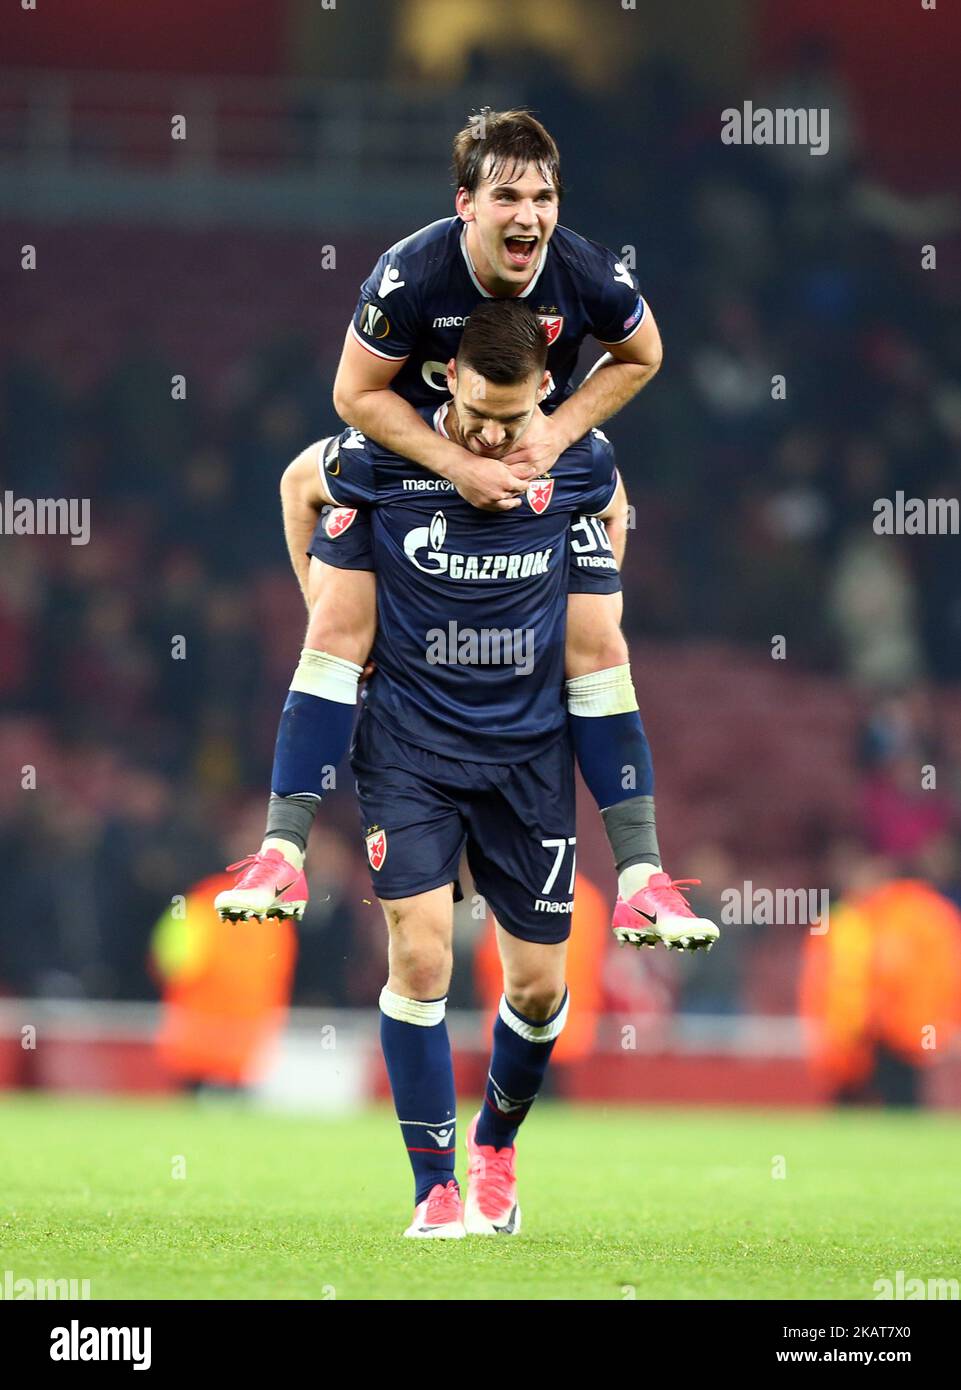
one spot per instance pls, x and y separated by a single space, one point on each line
744 1035
115 118
292 151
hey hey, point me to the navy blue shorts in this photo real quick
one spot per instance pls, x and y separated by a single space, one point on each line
419 810
342 539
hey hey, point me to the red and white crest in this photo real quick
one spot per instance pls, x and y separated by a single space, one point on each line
539 494
338 519
553 323
377 848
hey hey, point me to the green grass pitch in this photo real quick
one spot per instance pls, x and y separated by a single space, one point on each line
617 1202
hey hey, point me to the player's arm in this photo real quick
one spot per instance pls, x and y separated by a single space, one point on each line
363 398
303 494
615 378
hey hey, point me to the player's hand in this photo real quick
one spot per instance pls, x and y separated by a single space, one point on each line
541 446
488 483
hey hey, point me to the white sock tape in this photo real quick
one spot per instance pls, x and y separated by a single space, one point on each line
328 677
602 693
535 1032
424 1012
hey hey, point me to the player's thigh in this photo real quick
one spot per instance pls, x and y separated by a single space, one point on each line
343 611
521 845
411 824
420 943
534 974
594 638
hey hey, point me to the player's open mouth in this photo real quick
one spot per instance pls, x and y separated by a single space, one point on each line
520 250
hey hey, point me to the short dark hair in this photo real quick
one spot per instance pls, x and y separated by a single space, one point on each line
494 143
503 341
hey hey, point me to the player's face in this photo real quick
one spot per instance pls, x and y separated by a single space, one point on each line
511 218
491 418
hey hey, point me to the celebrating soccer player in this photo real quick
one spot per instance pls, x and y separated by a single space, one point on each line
504 243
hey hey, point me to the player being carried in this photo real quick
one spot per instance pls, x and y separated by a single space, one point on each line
504 243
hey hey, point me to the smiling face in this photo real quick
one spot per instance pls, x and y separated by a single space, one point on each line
510 218
488 418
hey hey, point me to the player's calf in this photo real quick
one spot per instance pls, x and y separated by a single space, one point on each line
312 737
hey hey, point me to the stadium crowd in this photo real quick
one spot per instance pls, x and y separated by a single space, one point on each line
812 367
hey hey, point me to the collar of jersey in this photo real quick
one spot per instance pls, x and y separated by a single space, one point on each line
477 284
440 415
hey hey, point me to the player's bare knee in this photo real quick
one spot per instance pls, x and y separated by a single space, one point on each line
327 632
420 971
343 612
535 999
604 650
420 953
594 638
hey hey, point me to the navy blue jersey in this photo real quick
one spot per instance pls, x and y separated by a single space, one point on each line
471 605
416 301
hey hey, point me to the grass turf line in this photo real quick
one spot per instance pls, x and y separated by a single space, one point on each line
617 1202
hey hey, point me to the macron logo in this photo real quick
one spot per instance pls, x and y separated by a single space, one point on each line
390 282
506 1106
440 1136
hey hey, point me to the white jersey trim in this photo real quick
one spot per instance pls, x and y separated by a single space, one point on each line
440 415
615 342
617 479
388 356
323 449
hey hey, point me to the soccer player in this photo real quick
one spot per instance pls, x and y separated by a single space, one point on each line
462 741
503 243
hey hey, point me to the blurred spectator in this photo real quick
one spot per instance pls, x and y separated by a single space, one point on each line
874 610
881 987
142 673
226 990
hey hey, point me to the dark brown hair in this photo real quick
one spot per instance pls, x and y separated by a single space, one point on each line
495 143
503 341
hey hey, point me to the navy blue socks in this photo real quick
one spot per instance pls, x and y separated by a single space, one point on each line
413 1035
312 738
522 1050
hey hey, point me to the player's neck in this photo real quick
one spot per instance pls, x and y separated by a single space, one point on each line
486 276
450 425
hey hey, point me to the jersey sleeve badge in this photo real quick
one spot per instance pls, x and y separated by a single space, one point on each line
374 322
338 519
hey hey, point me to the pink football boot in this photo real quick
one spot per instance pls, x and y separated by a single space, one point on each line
440 1216
268 887
492 1208
660 912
